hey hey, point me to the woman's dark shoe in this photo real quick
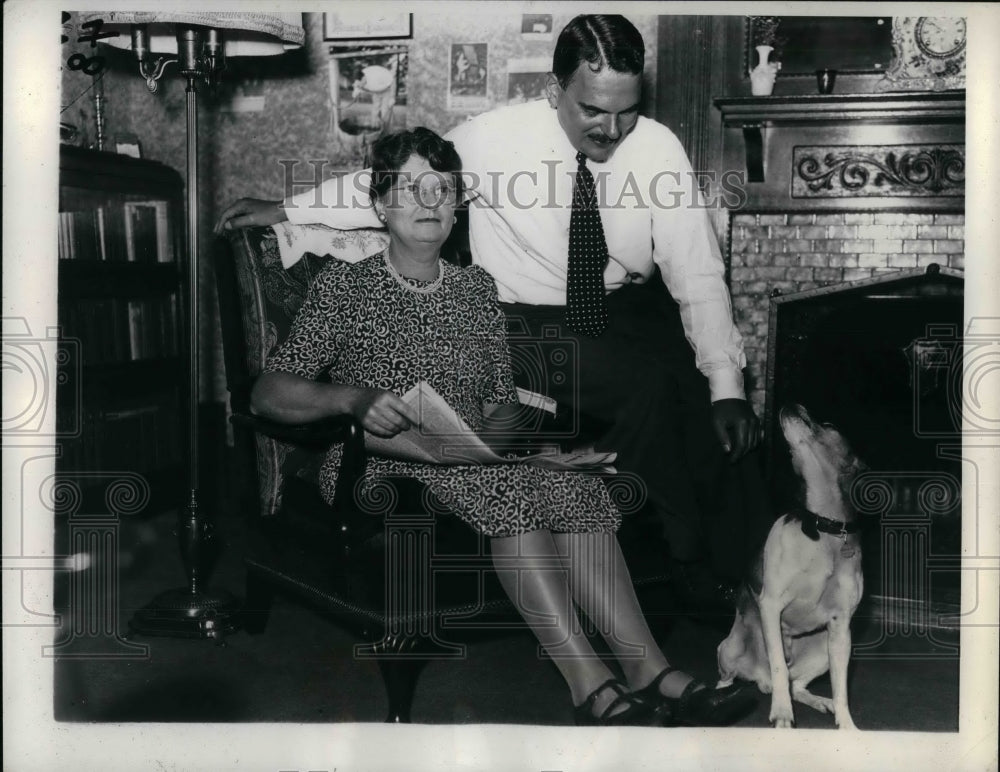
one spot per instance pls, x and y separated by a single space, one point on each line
625 709
697 705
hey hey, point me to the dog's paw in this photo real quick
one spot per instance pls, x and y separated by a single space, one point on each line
782 718
822 704
845 722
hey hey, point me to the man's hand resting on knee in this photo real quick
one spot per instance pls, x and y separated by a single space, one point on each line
736 426
250 211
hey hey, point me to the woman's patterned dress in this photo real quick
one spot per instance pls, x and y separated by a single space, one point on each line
364 326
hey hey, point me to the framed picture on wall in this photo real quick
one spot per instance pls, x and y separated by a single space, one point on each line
527 79
468 76
357 24
536 26
368 89
804 44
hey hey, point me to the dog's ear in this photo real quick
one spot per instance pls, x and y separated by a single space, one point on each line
849 474
852 463
857 467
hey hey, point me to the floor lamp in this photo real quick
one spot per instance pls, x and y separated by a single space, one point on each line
199 44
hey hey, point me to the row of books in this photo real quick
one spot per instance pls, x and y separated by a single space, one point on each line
134 232
117 330
137 438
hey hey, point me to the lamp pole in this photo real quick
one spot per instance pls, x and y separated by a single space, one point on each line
192 611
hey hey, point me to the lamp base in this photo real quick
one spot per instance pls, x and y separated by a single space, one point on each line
179 613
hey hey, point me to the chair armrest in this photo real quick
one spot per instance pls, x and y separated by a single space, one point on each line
316 435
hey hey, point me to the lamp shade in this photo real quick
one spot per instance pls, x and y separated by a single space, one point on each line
246 34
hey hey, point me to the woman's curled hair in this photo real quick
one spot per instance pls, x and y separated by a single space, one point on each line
390 152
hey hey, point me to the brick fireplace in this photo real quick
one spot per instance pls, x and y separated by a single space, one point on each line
796 251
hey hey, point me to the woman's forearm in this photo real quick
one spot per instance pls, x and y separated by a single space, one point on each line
291 398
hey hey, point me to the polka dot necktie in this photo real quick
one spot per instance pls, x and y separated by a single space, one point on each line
586 303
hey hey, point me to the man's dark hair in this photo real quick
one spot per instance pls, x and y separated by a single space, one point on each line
389 153
601 41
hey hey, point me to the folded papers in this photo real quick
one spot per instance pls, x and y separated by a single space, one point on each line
442 437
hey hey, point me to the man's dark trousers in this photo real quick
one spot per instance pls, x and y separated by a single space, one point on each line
640 378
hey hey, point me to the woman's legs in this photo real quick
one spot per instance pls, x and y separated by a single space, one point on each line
533 573
601 586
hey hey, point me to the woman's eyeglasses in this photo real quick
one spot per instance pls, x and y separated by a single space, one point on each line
429 195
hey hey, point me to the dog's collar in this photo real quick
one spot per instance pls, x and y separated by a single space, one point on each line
813 525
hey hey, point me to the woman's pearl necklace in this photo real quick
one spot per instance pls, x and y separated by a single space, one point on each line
405 283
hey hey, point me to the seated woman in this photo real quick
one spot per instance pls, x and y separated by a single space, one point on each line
403 316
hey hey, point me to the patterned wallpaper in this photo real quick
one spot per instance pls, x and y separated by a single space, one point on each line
297 120
240 151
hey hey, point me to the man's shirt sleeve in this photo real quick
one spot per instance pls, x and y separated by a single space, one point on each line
341 202
687 252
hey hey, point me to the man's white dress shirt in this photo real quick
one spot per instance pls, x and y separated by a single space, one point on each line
519 168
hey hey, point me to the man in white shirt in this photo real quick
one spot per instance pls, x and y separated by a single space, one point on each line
662 380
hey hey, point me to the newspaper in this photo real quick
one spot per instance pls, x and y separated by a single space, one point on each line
442 437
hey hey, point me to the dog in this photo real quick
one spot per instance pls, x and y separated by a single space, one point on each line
794 613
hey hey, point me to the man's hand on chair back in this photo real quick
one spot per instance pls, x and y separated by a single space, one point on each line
248 212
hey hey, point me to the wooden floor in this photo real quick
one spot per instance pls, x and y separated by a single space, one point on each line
302 669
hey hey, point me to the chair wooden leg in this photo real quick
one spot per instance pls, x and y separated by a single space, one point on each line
400 678
400 660
258 604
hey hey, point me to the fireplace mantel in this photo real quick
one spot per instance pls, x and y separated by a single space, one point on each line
908 107
754 115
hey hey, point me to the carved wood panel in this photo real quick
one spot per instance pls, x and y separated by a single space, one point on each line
839 171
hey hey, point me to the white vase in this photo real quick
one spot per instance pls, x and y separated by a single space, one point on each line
762 76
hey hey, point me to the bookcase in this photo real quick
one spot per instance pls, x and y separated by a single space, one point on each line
121 314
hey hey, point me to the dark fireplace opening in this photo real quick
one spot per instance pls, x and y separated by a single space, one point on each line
881 360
